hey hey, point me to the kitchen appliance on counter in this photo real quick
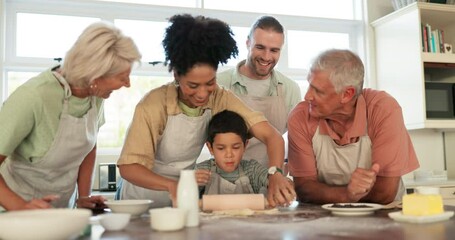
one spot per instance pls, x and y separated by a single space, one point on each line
107 177
440 99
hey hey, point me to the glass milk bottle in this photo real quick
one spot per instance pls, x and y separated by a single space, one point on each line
188 197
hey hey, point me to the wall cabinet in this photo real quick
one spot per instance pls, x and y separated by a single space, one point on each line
403 67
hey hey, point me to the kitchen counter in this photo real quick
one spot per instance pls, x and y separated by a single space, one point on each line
302 222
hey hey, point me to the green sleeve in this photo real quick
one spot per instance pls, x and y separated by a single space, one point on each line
20 113
257 174
207 164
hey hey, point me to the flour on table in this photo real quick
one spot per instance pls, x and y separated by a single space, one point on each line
245 212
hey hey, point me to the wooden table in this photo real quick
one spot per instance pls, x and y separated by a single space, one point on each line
302 222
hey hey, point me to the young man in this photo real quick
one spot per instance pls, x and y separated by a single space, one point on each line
261 87
347 144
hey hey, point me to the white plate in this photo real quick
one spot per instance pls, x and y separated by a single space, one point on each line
359 211
398 216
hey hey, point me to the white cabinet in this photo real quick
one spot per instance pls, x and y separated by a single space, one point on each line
400 60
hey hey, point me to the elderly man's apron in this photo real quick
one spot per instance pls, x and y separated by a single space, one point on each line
179 148
57 171
219 185
335 163
274 109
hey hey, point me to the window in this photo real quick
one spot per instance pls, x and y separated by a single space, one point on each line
147 35
37 31
338 9
54 39
310 44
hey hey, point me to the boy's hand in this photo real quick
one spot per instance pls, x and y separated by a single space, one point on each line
202 176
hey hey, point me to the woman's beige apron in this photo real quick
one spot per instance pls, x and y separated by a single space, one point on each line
179 148
219 185
336 163
274 109
57 171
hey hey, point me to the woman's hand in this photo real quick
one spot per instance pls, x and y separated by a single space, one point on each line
172 189
92 202
202 176
280 191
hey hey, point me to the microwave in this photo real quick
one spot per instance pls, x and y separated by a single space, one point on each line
108 177
439 99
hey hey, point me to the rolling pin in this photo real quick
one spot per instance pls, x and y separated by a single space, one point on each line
233 201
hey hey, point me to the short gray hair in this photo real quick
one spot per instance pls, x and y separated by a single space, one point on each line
101 50
344 67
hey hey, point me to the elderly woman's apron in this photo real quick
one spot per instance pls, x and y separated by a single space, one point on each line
179 148
335 164
274 109
57 171
219 185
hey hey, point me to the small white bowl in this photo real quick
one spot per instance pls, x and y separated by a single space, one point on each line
135 207
44 223
167 219
115 221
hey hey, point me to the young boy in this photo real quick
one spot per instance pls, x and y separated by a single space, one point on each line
227 173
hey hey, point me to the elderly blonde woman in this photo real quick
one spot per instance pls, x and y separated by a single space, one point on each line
50 123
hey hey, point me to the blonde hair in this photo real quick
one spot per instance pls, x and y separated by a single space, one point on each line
101 50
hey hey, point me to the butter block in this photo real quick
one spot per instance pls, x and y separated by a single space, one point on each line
416 204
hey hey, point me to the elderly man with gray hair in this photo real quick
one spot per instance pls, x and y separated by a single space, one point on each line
346 143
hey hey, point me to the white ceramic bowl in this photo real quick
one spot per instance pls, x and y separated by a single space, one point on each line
43 223
167 219
135 207
114 221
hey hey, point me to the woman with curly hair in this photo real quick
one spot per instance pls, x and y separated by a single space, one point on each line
169 127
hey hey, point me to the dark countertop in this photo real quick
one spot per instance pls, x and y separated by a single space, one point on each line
302 222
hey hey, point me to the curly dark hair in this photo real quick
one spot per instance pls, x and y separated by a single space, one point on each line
191 40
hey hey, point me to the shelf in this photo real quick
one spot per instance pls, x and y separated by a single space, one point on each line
439 65
438 57
441 124
401 66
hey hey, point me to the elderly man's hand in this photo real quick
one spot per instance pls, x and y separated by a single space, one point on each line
361 183
280 191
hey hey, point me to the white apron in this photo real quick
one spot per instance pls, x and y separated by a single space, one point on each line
219 185
274 109
57 171
336 163
179 148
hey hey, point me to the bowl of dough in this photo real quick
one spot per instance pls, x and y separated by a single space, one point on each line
44 223
135 207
